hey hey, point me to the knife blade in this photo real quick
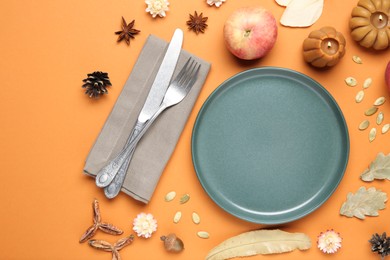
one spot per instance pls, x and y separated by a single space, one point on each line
151 105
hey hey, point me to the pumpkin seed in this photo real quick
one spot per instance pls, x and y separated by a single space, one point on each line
379 118
372 134
177 217
371 111
170 196
359 96
379 101
385 128
351 81
195 218
203 234
367 83
357 59
184 198
364 125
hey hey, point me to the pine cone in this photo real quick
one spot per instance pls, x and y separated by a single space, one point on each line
380 244
96 84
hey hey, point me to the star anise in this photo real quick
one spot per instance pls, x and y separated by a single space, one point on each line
197 23
98 224
127 32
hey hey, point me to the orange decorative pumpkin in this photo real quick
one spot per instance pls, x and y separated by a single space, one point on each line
370 24
324 47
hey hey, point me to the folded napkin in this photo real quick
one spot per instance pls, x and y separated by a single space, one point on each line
156 146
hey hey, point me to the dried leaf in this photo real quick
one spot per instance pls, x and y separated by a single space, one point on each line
302 13
259 242
364 203
379 169
283 2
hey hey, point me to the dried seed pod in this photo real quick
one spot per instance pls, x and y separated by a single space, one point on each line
172 243
351 81
114 249
97 224
364 125
170 196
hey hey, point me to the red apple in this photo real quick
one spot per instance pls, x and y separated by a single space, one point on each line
250 32
387 75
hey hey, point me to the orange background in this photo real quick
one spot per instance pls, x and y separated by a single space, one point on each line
48 126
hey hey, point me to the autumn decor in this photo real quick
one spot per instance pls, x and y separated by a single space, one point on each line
98 224
324 47
380 244
144 225
127 31
157 7
329 242
197 23
259 242
365 202
114 249
172 243
379 169
96 84
370 24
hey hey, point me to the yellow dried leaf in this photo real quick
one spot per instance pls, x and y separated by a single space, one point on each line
259 242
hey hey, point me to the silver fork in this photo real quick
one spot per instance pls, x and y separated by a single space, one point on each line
176 92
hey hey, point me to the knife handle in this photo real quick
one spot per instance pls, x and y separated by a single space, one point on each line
105 176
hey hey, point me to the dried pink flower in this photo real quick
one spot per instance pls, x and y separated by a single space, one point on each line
329 242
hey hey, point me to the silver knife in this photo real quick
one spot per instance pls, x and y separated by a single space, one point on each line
151 105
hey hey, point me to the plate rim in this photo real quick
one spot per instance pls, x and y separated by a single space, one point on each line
343 125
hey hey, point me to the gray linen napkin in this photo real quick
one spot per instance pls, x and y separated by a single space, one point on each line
156 146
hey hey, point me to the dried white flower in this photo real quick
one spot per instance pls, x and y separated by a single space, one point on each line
157 7
217 3
329 242
144 225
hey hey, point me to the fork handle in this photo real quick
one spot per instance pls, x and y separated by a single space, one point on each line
105 176
113 189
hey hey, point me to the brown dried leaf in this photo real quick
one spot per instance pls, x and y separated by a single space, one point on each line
110 229
101 245
88 234
121 243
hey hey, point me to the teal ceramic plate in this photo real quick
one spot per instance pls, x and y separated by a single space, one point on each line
270 145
